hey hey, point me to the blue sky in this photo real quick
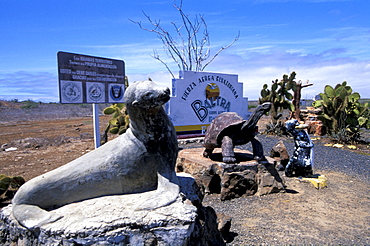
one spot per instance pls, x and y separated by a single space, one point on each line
323 41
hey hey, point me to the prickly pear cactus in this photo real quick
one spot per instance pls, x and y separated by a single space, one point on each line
4 183
120 120
342 111
9 186
278 95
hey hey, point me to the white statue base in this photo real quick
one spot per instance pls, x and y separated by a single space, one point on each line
113 220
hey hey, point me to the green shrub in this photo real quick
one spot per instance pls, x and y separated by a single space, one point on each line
277 128
29 104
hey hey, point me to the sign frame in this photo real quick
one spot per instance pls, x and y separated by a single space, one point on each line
90 79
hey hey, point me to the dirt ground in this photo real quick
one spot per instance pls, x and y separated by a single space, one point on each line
338 214
43 145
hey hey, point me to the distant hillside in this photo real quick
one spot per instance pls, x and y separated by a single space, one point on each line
28 110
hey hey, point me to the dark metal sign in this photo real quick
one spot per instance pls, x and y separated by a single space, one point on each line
90 79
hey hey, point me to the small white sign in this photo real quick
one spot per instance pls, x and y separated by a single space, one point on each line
71 91
198 97
95 92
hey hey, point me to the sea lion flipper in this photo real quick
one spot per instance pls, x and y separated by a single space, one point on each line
166 193
32 217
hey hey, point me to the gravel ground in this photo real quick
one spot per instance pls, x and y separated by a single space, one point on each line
325 158
337 215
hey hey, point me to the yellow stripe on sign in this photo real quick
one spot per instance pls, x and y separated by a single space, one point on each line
191 128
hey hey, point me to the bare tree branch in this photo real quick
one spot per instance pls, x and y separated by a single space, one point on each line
156 56
191 45
222 49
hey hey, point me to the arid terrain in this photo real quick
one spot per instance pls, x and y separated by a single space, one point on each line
338 214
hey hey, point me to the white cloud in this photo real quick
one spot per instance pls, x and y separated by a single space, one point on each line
327 67
21 85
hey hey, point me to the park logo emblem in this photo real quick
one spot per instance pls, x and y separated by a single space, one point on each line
212 91
95 92
71 91
116 92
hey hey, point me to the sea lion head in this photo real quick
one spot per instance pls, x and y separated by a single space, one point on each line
146 94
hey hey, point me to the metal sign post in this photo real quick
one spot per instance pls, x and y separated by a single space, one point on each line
90 79
96 125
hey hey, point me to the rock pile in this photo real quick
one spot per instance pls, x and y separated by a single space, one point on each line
315 126
248 177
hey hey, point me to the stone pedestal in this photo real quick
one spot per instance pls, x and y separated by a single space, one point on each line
247 177
116 220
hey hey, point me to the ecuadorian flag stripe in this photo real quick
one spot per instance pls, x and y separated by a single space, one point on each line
191 128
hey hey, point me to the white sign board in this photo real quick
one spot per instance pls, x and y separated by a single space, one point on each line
198 97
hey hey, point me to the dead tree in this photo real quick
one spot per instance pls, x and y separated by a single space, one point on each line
296 114
189 47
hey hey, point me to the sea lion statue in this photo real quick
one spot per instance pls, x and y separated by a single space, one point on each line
142 159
